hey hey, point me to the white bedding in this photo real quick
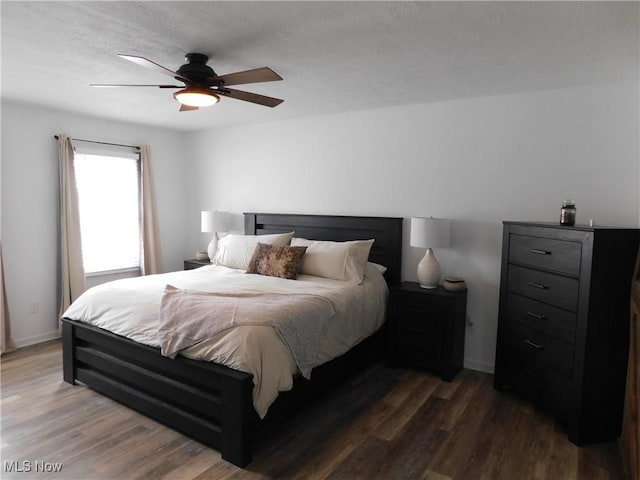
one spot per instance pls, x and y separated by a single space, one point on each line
129 307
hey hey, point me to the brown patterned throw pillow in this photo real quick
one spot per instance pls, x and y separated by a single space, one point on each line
274 261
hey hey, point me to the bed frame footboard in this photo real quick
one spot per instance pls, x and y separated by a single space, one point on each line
208 402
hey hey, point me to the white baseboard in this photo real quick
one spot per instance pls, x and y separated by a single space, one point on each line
25 342
480 366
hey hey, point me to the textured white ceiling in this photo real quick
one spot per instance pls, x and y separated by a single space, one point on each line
334 56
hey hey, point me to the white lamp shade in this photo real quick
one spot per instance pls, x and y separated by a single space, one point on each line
429 232
214 221
206 221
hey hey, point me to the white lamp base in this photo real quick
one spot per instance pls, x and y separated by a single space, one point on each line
429 270
213 247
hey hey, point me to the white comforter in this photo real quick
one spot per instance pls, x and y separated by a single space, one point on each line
130 308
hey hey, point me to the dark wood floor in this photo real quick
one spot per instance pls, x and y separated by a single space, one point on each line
384 424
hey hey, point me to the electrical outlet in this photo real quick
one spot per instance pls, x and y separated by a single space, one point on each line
34 307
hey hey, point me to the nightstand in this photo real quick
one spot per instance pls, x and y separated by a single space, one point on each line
193 263
427 328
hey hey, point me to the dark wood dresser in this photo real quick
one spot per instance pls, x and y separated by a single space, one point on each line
563 328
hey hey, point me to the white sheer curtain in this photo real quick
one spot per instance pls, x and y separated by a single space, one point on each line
6 344
72 278
150 244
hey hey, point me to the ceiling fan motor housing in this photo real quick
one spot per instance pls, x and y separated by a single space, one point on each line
196 68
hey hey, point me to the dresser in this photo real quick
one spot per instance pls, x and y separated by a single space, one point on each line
427 328
563 327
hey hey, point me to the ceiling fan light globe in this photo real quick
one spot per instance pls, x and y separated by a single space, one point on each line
196 97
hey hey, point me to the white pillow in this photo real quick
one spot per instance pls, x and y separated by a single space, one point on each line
380 268
235 251
337 260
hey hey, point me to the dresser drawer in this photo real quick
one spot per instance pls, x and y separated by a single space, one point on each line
537 350
544 287
552 321
420 338
424 324
558 255
412 341
542 386
422 316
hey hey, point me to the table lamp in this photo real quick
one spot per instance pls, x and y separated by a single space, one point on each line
213 222
429 233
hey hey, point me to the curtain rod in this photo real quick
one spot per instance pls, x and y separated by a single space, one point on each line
101 143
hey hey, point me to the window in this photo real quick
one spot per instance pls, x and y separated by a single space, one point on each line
110 214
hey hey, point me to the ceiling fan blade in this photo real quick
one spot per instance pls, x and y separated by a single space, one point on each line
145 62
187 108
109 85
257 75
251 97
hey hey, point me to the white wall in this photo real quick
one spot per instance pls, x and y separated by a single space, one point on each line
476 161
30 202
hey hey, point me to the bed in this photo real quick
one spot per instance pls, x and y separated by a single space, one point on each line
210 402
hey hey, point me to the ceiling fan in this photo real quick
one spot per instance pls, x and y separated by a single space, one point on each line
202 86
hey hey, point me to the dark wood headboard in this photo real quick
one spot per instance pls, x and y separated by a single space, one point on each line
386 231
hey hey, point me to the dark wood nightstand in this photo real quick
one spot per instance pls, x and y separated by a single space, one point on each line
193 263
427 328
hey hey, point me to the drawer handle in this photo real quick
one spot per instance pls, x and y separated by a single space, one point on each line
532 344
537 251
536 315
538 285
